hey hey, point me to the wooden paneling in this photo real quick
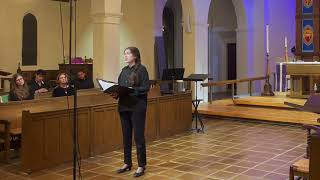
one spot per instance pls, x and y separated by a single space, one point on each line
106 130
167 111
174 115
47 138
47 126
314 157
151 121
184 116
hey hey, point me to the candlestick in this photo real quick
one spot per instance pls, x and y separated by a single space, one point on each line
267 89
267 38
285 42
286 56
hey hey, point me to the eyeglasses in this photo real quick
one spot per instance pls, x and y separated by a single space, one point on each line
19 79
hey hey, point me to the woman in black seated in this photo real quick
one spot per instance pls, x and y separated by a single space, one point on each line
63 88
19 89
83 81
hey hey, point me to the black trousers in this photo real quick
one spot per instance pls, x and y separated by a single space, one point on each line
134 121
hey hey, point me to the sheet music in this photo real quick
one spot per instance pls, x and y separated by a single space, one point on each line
105 84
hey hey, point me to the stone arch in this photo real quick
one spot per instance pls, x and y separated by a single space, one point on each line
241 9
168 46
222 22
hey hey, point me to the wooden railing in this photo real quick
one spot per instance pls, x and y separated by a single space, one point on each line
233 82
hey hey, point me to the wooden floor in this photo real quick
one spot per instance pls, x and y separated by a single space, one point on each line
260 108
234 150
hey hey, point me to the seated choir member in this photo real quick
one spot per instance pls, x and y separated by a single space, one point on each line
63 88
83 82
37 84
19 89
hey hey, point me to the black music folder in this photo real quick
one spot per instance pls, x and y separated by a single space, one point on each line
112 87
311 105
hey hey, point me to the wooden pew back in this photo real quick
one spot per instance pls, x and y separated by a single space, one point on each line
314 172
47 131
12 111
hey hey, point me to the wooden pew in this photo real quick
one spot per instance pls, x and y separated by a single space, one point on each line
314 157
5 139
308 168
47 125
13 110
81 92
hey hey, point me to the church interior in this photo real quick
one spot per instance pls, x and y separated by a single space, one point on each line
232 89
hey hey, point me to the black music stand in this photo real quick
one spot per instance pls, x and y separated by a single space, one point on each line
311 105
172 75
196 116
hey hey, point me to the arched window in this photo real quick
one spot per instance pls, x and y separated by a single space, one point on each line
173 33
168 35
29 40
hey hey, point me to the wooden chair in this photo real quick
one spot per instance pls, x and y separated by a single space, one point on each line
314 164
299 168
308 168
5 139
15 138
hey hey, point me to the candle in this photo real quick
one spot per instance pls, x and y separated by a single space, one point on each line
267 38
285 42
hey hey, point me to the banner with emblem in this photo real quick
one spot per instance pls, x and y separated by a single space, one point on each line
307 35
307 6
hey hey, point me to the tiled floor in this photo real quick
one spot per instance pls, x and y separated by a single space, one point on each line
227 150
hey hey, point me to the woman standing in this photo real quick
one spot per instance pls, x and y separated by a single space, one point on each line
132 109
19 89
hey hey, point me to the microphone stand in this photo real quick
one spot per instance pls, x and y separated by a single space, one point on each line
75 99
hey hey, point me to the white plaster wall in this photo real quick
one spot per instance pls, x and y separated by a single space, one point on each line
49 32
281 17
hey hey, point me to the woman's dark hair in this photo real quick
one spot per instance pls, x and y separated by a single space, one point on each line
41 72
133 78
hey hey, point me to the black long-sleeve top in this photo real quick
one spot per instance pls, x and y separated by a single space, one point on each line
33 86
136 101
60 91
85 83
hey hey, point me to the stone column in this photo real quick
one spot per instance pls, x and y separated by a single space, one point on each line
201 55
106 16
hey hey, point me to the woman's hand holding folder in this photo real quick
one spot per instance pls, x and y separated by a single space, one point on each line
114 95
